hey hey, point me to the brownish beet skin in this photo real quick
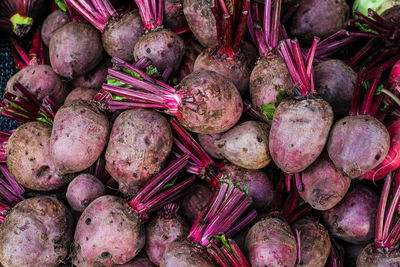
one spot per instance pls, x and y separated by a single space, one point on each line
357 144
324 185
37 232
268 77
315 242
299 132
372 257
183 254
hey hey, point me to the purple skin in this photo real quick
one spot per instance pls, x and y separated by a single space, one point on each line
307 22
182 253
163 47
268 77
187 65
351 253
315 242
140 141
270 242
173 14
357 144
95 78
120 36
257 183
311 120
236 70
246 145
28 159
324 185
36 232
108 232
201 21
371 257
207 142
79 135
41 81
53 22
80 93
196 201
83 190
219 104
353 219
139 261
75 49
160 232
335 82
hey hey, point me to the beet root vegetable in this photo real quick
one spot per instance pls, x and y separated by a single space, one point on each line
324 186
28 158
82 190
315 242
270 242
53 22
353 219
173 14
82 93
335 83
373 257
75 49
95 78
78 137
246 145
196 201
181 254
207 141
107 217
140 141
36 232
40 81
306 22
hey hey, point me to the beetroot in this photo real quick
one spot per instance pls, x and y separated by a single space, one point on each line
36 232
95 78
181 254
80 93
246 145
335 83
324 186
373 257
53 22
75 49
82 190
353 219
307 23
201 21
173 14
196 201
207 141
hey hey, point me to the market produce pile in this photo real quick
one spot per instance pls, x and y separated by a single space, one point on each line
202 133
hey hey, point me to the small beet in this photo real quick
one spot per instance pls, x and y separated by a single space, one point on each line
54 21
207 141
80 93
196 201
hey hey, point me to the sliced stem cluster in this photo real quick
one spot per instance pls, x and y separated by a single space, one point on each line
36 55
226 252
10 190
374 26
152 13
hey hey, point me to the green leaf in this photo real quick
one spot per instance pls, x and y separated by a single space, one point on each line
150 70
366 85
223 240
268 110
366 28
175 80
61 5
168 185
279 97
44 118
379 89
132 73
115 82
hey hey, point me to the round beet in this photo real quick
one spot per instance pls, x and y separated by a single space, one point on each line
207 141
201 21
108 232
236 70
311 120
173 14
181 254
335 82
95 78
268 77
41 81
259 187
378 257
164 48
82 190
37 232
161 231
75 49
121 35
323 185
140 141
319 18
270 242
315 242
53 22
194 202
357 144
80 93
353 219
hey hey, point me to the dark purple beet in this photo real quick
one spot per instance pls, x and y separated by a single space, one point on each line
180 254
173 14
95 78
207 142
196 201
371 257
54 21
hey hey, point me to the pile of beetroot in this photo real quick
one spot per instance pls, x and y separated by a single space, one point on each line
202 133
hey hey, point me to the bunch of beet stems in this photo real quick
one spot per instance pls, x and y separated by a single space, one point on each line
143 92
96 12
4 136
36 55
152 13
334 43
226 252
226 213
29 109
231 19
153 195
10 190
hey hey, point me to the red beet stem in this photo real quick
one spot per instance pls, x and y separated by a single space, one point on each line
362 52
231 258
242 223
384 66
238 253
333 47
380 217
20 52
298 241
241 27
215 252
36 53
3 211
390 214
152 13
26 93
90 12
355 102
366 106
386 52
15 187
290 204
300 212
381 21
